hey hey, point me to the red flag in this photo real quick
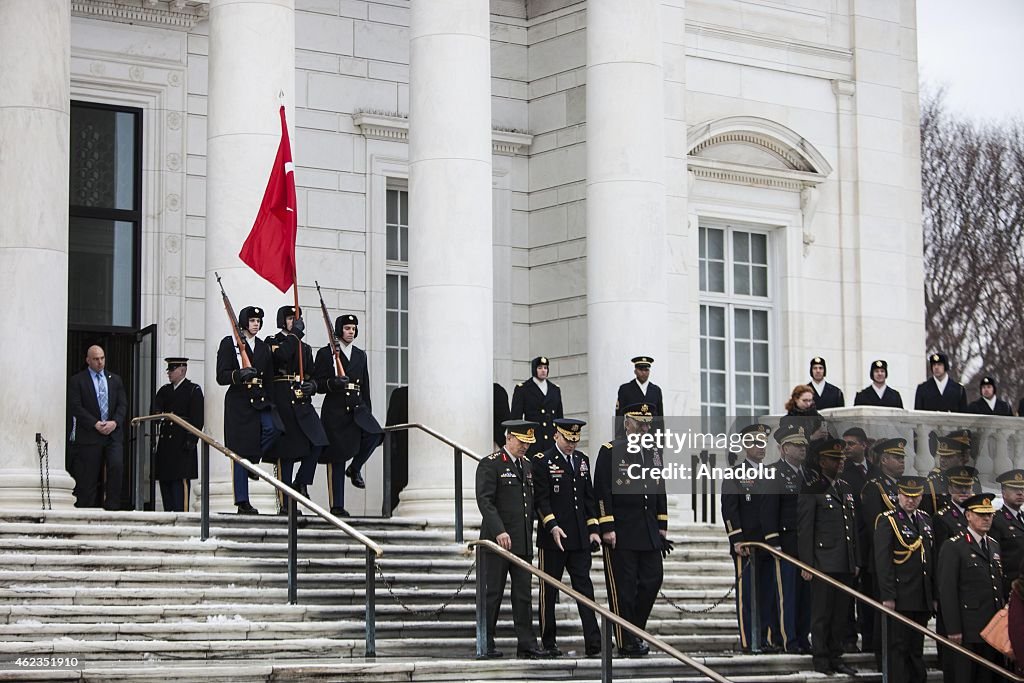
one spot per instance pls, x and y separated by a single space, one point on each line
270 247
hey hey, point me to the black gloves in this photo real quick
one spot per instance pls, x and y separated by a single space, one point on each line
308 387
299 328
594 546
336 383
246 374
667 547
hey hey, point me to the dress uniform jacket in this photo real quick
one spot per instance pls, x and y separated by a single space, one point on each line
970 585
505 499
742 501
904 559
880 494
780 507
952 400
501 414
869 397
1008 529
980 407
935 492
346 413
565 498
630 393
950 522
242 403
302 426
176 453
827 523
636 518
530 403
831 396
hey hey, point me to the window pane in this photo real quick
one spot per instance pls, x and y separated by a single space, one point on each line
404 237
716 277
760 358
742 357
101 259
392 243
741 247
741 318
403 202
743 390
392 294
102 158
761 391
703 277
392 209
703 353
393 369
392 328
717 388
716 321
404 281
759 248
741 279
405 366
716 351
716 244
760 285
760 325
404 320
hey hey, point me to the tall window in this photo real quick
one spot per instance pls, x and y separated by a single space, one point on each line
735 308
397 289
105 216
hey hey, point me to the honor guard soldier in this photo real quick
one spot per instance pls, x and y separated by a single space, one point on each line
952 450
633 516
878 393
504 494
251 422
1008 525
538 400
640 390
825 395
742 497
304 437
176 453
989 403
352 430
567 529
940 392
903 561
970 587
827 539
780 530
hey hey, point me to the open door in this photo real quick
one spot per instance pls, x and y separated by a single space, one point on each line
143 440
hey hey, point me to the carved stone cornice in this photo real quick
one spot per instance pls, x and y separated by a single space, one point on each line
742 174
173 14
395 128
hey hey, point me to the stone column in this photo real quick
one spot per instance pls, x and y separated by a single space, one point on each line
251 74
451 300
35 119
626 243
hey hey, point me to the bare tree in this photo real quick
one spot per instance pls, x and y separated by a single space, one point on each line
973 184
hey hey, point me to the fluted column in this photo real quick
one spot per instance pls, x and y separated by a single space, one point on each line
251 74
626 291
35 120
451 299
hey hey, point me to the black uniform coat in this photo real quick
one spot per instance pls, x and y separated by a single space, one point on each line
398 414
904 560
505 500
564 499
346 412
530 403
780 507
630 394
501 414
868 397
242 403
636 518
936 495
952 400
970 585
980 407
85 407
948 523
1009 531
176 453
741 507
831 396
302 426
827 524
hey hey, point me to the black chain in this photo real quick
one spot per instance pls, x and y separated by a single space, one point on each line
713 605
433 613
43 447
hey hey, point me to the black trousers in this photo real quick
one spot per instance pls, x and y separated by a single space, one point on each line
861 617
829 607
176 494
96 463
578 562
959 669
634 578
498 569
906 649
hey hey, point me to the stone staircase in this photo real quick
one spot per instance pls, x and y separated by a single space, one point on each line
138 597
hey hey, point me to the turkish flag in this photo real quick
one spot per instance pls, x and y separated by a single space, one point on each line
270 247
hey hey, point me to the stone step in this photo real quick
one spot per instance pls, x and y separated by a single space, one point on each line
145 649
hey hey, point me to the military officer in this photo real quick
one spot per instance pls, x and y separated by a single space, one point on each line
952 450
857 471
1008 524
640 390
989 403
970 588
504 494
742 498
251 422
538 400
779 511
567 529
352 431
176 461
633 516
304 437
826 395
878 393
903 561
827 540
951 520
940 392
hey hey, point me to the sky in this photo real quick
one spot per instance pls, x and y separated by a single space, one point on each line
976 49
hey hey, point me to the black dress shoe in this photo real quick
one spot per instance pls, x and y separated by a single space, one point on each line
552 652
492 654
356 477
850 648
532 653
246 508
594 650
844 668
769 649
827 670
634 650
342 512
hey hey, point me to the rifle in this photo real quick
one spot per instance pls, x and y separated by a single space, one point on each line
235 331
330 333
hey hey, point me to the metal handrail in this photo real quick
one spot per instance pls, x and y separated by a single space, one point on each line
373 550
458 449
606 615
891 613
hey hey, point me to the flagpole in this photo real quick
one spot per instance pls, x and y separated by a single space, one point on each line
298 316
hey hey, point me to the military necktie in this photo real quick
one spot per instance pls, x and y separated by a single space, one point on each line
984 544
519 467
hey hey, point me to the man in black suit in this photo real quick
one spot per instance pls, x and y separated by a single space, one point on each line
858 471
99 407
538 400
989 403
877 393
640 390
940 393
825 395
176 453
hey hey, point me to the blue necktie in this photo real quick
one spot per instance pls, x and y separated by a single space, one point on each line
101 393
